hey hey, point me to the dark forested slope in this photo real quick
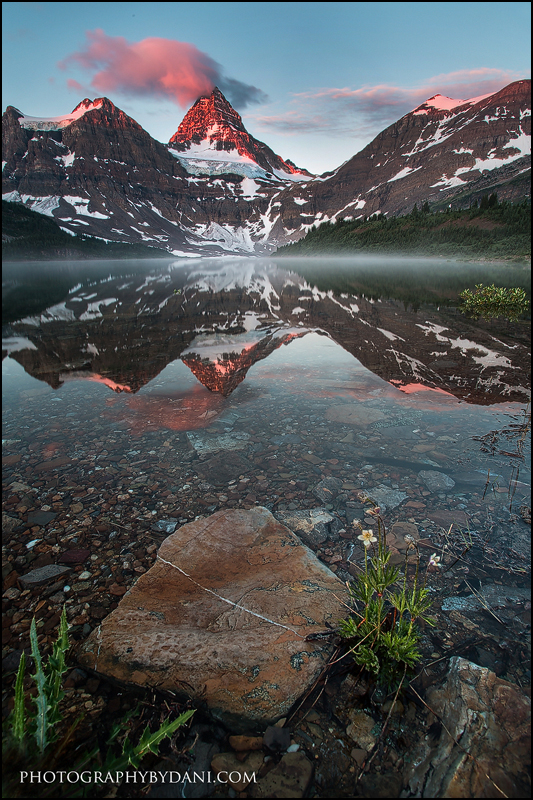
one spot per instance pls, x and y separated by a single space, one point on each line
27 235
491 230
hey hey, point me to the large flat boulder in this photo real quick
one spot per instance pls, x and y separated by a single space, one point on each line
223 616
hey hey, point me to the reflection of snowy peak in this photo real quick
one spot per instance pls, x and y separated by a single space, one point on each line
252 278
221 361
222 317
215 190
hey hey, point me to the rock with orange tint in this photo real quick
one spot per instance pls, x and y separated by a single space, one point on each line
483 716
223 615
399 538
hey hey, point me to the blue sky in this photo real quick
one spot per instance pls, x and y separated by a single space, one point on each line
315 81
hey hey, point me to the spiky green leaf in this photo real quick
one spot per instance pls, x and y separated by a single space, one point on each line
42 722
19 711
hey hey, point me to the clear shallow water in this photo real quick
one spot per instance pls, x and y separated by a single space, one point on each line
183 388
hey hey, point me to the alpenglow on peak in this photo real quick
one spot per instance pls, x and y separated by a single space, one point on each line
212 127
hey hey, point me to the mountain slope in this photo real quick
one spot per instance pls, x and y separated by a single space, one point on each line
442 150
27 235
215 189
97 171
96 174
496 231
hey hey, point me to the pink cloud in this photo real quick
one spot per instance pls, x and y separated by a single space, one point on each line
156 67
369 109
74 85
461 85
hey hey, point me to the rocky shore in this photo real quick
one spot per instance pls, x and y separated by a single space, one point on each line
87 507
72 549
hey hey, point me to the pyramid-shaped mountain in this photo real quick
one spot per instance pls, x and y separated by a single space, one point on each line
213 130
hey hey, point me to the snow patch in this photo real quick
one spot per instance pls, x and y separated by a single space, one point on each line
16 343
56 123
43 205
80 205
403 173
93 309
67 160
204 159
389 335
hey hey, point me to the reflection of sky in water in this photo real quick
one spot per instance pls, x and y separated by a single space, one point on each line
308 377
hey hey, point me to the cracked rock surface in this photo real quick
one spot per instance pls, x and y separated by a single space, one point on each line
223 615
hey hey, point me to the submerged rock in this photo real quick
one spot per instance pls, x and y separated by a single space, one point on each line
436 481
400 539
311 525
224 467
360 415
386 498
328 489
164 525
222 616
290 778
205 443
42 575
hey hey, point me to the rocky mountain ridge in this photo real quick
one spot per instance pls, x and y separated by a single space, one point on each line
441 152
215 189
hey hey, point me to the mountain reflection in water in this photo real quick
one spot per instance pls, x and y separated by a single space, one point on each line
223 316
177 411
148 395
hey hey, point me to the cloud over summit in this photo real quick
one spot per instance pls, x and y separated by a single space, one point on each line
156 67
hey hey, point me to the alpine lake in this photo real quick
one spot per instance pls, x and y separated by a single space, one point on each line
140 395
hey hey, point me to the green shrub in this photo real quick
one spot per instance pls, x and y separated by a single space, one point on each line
494 301
35 738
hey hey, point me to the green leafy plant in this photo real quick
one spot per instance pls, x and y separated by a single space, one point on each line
39 724
494 301
382 631
35 734
131 754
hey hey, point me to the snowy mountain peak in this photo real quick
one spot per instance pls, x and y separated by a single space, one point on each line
88 105
438 102
56 123
443 101
212 130
216 189
211 117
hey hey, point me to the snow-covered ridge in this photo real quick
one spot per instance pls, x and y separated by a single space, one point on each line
56 123
443 103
